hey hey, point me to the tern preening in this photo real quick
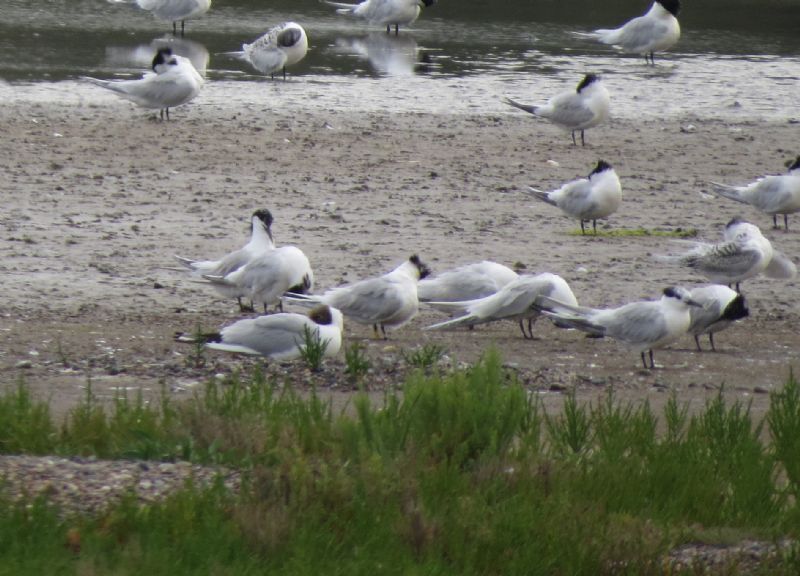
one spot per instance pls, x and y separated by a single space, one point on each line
260 243
277 336
643 326
576 110
778 194
386 302
596 196
656 31
282 46
744 253
719 307
174 81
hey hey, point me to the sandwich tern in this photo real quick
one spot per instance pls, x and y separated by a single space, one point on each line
265 278
771 194
277 336
385 302
719 308
467 282
260 242
171 10
643 326
517 300
174 81
590 198
744 253
656 31
581 109
283 45
384 12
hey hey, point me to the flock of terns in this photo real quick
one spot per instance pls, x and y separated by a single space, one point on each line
268 275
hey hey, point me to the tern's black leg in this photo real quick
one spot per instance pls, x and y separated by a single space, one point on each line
738 290
583 230
583 139
774 220
388 28
711 339
786 222
697 342
396 29
183 24
530 327
174 28
383 331
644 362
652 362
574 143
594 225
522 328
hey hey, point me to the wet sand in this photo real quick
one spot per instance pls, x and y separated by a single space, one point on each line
98 197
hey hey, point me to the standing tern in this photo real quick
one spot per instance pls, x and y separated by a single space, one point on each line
277 336
771 194
467 282
384 12
643 326
517 300
585 107
719 308
260 243
590 198
385 302
283 45
174 81
744 253
265 278
171 10
656 31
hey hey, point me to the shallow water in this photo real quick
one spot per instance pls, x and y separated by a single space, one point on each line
734 60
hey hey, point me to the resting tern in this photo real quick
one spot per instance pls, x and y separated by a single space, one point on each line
517 300
466 282
171 10
719 308
283 45
643 326
174 81
260 243
277 336
655 31
386 302
744 253
384 12
590 198
581 109
771 194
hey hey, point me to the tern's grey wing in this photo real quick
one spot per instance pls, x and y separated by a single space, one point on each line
576 198
639 323
701 318
771 195
369 301
170 10
725 260
229 263
275 336
266 59
456 286
637 35
566 109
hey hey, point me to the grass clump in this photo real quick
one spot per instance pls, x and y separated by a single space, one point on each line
462 473
424 357
356 362
312 349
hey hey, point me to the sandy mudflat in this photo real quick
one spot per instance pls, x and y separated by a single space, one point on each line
97 198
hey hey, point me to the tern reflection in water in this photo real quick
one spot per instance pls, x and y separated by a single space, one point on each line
387 54
141 55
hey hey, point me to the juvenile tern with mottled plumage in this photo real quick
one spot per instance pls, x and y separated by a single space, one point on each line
385 302
585 107
779 194
643 326
596 196
283 45
518 300
655 31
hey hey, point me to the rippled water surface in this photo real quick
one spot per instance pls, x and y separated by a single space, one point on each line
734 60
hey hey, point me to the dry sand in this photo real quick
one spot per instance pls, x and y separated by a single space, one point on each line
97 198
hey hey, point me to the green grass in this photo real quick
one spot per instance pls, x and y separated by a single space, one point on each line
637 232
462 473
